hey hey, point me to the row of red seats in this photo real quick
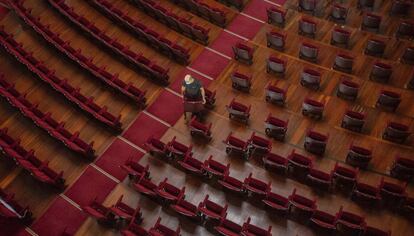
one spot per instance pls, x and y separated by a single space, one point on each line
141 63
297 206
173 21
370 21
120 215
129 90
296 165
10 209
340 38
145 34
201 8
167 193
28 161
45 120
73 94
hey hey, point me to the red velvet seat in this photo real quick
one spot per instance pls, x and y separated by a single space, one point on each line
299 165
309 52
275 94
348 223
358 156
315 142
402 168
276 65
339 13
307 27
381 72
366 194
392 194
276 16
319 180
275 163
243 52
121 210
192 165
257 187
375 47
228 228
340 37
135 169
353 121
405 30
177 149
344 63
236 146
307 6
98 211
215 168
348 90
396 132
313 108
276 203
212 210
145 186
232 184
276 40
162 230
134 229
323 222
241 81
258 145
371 22
249 229
311 79
186 208
407 207
238 111
168 192
275 127
301 207
344 176
155 147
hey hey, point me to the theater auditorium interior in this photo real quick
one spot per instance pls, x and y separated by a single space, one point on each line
299 120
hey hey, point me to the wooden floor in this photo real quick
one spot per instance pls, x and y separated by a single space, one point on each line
28 191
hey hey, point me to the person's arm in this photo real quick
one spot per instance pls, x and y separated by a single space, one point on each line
182 90
203 94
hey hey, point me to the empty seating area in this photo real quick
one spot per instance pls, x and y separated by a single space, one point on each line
206 117
140 62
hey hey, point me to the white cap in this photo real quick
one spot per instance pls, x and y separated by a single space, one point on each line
188 79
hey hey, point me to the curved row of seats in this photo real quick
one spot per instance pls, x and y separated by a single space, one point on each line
28 161
142 64
295 166
297 206
144 33
53 38
370 21
10 209
166 193
166 17
340 37
45 121
71 93
204 10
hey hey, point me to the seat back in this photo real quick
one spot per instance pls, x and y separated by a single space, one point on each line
340 36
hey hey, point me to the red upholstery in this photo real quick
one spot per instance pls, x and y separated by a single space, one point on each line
159 74
46 122
211 209
61 86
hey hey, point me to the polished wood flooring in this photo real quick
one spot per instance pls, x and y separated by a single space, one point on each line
39 198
